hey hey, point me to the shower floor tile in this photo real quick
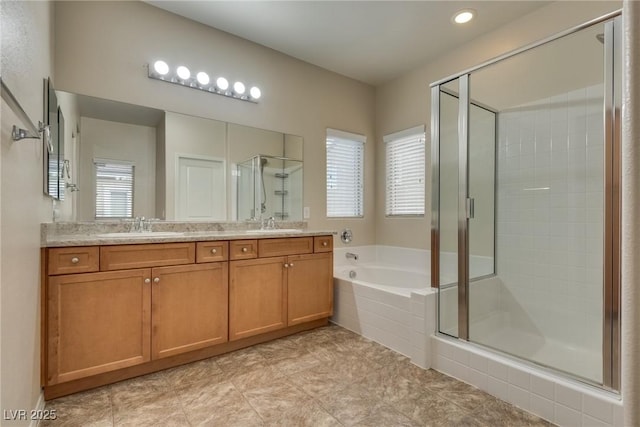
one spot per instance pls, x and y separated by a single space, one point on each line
325 377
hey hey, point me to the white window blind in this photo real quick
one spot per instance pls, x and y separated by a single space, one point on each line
405 159
345 174
114 189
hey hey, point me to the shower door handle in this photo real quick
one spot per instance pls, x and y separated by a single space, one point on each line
470 208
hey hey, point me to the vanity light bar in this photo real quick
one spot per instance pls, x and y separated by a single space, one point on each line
182 76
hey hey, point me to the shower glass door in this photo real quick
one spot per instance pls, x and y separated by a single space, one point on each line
525 200
445 195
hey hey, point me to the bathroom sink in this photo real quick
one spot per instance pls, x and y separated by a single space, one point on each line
275 230
127 235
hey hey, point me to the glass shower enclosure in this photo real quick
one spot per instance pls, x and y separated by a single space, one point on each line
269 186
525 203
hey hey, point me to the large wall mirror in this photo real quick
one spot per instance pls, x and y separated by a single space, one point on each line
53 158
139 161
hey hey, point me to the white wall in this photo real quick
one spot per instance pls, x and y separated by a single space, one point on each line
27 46
102 139
298 98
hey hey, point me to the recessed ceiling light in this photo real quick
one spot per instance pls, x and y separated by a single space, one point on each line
463 16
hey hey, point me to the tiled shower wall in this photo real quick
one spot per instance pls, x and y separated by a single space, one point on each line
550 216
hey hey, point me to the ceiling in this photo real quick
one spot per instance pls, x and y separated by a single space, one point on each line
370 41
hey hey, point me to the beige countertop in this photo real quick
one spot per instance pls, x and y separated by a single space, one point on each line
84 235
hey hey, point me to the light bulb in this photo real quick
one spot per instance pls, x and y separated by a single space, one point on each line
161 67
238 88
203 78
463 16
222 83
255 92
183 72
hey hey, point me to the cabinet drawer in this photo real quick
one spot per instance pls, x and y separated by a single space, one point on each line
122 257
73 260
212 251
323 243
287 246
243 249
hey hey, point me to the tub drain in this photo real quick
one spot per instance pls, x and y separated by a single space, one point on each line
352 274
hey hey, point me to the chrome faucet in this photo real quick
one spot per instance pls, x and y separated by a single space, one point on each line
268 224
140 225
352 256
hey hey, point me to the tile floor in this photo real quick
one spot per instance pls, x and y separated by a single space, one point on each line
325 377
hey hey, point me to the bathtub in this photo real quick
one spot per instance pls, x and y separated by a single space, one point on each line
388 278
386 296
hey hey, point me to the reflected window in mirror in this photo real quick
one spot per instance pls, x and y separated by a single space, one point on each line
114 189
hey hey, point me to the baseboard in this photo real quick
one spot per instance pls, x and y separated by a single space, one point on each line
38 410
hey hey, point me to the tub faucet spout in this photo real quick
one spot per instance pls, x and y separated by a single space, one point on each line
352 256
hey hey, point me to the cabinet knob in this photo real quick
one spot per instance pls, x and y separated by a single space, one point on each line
156 280
75 260
147 280
286 265
214 251
324 243
244 249
290 264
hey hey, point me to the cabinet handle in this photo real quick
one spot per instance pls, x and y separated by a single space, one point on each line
75 260
147 280
290 264
286 265
244 249
214 251
156 280
324 243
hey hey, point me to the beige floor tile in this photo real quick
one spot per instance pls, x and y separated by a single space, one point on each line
310 414
258 378
389 387
163 409
206 403
191 372
319 381
138 391
499 413
351 405
428 406
89 408
387 417
271 401
325 377
293 365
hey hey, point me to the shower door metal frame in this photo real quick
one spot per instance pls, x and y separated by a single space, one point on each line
463 208
612 209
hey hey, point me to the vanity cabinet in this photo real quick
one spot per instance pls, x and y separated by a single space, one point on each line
257 296
97 322
309 287
113 312
273 292
189 308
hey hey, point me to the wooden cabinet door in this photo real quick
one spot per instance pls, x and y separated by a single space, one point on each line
257 296
189 308
310 287
97 322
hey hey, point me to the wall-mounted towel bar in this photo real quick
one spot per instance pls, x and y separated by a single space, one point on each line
18 133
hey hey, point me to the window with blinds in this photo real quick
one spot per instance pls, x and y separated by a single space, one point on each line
345 174
114 189
405 163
